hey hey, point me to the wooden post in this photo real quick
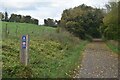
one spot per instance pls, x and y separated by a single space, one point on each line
16 30
6 31
24 58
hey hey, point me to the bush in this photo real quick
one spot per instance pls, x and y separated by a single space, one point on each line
88 37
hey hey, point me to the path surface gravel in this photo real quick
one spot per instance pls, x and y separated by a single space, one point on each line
98 62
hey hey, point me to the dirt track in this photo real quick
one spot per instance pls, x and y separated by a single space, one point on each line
98 62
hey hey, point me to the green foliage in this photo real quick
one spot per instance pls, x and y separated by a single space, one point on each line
51 22
111 25
23 19
75 28
16 71
82 20
88 37
1 16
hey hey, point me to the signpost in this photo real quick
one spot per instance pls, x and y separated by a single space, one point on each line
24 49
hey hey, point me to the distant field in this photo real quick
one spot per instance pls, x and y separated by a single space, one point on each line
52 54
18 29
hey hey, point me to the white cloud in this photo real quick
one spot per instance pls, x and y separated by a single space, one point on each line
45 8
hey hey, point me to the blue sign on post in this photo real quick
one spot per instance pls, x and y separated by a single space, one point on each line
23 38
23 42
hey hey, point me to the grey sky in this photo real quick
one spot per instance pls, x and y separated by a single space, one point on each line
42 9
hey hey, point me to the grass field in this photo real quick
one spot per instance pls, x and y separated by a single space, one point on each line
18 29
52 54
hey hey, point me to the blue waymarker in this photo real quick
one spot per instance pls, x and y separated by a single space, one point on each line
23 42
23 38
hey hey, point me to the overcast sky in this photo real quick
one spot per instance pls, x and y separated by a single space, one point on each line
43 9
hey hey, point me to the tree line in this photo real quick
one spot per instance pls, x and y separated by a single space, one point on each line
18 18
51 22
82 21
87 22
110 28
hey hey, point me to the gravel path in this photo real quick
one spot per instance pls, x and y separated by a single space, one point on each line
98 62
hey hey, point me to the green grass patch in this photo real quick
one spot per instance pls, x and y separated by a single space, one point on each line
113 47
19 29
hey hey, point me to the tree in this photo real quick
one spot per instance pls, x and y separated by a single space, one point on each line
1 16
18 18
6 16
45 22
12 18
57 22
50 22
27 19
15 18
111 25
34 21
75 28
22 20
82 20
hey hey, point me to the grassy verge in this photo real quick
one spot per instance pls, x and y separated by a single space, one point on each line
72 61
113 47
77 58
